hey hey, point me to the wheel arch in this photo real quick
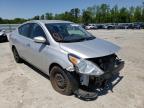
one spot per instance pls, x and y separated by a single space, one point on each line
54 64
62 63
12 47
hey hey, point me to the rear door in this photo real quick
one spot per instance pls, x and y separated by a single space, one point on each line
23 41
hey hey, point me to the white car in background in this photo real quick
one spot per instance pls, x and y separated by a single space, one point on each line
90 26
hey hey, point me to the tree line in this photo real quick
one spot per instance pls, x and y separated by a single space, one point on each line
95 14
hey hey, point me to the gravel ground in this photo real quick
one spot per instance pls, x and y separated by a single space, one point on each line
21 86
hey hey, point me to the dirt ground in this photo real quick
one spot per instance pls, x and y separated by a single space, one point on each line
21 86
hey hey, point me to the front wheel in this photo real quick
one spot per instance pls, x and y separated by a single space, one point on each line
62 81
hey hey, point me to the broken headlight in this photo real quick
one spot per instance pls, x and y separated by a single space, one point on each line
84 66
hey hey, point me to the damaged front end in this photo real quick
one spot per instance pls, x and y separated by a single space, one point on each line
110 65
95 72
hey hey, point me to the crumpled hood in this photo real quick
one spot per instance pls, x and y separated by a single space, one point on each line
91 48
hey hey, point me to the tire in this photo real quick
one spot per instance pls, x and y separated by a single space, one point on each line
62 81
16 55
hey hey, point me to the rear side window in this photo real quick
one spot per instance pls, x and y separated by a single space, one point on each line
37 31
24 30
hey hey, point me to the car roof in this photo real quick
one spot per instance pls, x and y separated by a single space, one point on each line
48 21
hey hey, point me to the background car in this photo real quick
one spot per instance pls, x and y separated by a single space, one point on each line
90 26
100 26
3 36
109 26
138 25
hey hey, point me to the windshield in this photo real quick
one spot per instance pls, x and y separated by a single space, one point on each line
68 32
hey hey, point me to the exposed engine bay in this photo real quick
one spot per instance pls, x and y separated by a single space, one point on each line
110 64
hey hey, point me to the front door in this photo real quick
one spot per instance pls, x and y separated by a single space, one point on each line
23 41
38 51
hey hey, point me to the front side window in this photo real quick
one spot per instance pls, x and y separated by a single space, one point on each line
24 30
68 32
37 31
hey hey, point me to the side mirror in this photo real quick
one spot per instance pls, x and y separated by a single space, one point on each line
39 39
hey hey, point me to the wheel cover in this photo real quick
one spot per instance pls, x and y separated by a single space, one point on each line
60 81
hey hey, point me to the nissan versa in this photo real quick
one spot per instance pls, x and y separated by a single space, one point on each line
72 57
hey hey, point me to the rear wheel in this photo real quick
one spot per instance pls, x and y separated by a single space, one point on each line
16 55
62 81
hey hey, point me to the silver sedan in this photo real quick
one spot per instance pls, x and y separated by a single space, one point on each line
72 57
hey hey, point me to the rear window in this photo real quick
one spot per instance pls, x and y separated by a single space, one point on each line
24 30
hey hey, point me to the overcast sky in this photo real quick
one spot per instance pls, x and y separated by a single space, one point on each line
28 8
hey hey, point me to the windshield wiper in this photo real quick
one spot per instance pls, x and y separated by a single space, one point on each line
85 39
90 38
77 40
